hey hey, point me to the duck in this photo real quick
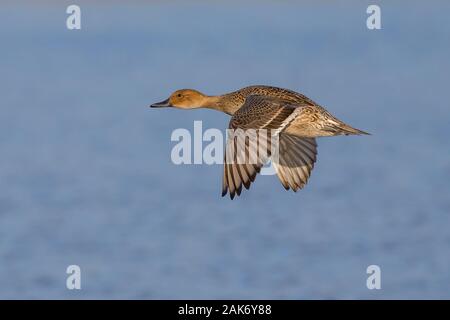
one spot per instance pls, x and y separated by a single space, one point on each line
289 118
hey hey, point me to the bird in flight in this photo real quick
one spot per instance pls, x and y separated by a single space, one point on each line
284 125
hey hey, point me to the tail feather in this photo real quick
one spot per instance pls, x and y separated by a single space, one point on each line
337 127
348 130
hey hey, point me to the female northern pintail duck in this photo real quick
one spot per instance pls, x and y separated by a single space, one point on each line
292 117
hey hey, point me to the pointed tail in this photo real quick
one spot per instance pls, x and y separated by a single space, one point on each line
344 129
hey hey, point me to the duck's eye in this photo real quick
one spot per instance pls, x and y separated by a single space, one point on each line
179 95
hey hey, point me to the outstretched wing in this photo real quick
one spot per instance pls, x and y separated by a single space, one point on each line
296 159
249 140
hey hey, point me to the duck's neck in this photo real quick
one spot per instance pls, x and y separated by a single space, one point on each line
226 103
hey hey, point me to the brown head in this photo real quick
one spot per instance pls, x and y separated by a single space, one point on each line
183 99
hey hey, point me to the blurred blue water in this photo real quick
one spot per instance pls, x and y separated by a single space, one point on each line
86 176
